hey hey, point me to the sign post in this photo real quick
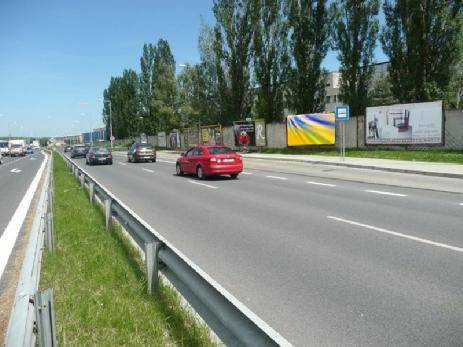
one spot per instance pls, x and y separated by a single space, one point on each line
342 115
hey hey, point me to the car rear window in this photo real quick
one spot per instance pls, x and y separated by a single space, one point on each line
219 150
15 146
101 149
145 146
3 144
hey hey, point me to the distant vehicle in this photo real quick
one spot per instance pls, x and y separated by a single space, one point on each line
67 149
35 144
29 150
141 152
79 151
99 155
211 160
4 149
17 150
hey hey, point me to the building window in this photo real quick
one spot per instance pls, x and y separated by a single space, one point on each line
327 99
335 98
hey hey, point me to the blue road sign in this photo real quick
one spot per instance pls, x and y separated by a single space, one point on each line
342 113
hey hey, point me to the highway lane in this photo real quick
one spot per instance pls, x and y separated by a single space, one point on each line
16 174
267 238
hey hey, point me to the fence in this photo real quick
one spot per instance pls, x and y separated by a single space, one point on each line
232 322
32 312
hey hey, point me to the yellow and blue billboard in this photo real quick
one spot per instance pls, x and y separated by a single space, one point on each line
310 129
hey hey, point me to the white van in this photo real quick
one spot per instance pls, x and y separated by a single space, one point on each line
4 148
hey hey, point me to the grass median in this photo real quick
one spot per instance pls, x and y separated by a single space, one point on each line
429 155
99 286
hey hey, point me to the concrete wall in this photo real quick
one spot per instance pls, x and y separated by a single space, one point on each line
355 133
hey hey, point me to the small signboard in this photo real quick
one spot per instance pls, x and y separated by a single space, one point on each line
342 113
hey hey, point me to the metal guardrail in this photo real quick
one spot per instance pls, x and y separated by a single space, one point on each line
28 317
231 320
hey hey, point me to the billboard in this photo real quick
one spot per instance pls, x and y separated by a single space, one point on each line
310 129
419 123
249 132
162 141
211 134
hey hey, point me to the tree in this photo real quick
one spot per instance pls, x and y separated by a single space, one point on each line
420 39
164 88
356 28
380 92
271 59
310 23
233 55
147 88
454 95
190 94
123 94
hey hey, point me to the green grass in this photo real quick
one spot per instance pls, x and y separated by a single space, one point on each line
99 287
431 155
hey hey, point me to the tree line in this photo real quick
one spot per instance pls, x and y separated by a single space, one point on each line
264 56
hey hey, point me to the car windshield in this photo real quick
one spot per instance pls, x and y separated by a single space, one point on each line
3 144
15 146
220 150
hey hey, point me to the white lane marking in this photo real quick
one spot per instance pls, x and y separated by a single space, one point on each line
121 163
246 173
203 184
166 161
461 203
321 184
394 233
277 178
384 193
11 232
33 158
148 170
15 170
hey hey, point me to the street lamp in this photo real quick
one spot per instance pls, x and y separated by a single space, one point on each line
111 138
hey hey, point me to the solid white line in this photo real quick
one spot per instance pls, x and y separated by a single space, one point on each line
384 193
394 233
321 184
148 170
246 173
11 232
166 161
203 184
277 178
121 163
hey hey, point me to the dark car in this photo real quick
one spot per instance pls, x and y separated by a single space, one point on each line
79 151
141 152
29 150
99 155
210 160
67 148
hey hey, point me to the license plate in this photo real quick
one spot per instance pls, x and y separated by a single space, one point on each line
101 159
228 160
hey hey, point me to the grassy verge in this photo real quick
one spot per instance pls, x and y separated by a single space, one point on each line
431 155
99 286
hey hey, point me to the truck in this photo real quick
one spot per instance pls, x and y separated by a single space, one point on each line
35 144
4 148
17 148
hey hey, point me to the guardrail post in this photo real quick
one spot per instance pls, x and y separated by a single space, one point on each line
91 191
152 265
49 231
108 215
82 180
45 318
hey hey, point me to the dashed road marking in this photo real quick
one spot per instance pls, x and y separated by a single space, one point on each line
277 178
246 173
461 203
203 184
121 163
321 184
394 233
384 193
148 170
166 161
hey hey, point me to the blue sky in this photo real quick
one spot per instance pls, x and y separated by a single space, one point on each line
56 57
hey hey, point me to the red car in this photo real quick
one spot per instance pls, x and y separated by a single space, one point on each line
210 160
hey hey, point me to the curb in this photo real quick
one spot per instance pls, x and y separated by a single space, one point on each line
368 167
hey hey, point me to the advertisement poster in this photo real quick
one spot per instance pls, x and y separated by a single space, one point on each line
249 133
211 134
162 139
311 129
419 123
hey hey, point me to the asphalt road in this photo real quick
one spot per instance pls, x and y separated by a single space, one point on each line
16 175
323 258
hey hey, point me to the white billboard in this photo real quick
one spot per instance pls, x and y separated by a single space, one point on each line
419 123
